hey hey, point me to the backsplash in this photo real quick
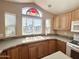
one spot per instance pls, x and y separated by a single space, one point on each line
65 33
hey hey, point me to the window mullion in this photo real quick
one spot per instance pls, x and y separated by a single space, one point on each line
32 26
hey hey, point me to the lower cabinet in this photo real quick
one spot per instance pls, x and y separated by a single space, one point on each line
33 54
34 50
38 50
52 46
20 52
43 49
61 46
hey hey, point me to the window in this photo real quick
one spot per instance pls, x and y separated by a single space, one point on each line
33 12
26 25
31 21
10 24
37 23
31 25
47 26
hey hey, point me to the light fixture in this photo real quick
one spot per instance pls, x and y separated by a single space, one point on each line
49 5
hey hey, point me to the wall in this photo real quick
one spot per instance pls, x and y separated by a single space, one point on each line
65 33
16 8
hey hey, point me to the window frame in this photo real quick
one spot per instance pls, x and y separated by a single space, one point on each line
6 25
33 33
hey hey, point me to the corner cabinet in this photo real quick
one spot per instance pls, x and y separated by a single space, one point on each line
61 46
19 52
62 22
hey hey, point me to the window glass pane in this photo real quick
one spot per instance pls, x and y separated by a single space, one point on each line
29 26
10 24
37 26
26 25
31 11
48 26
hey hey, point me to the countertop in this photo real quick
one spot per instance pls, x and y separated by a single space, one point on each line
15 42
57 55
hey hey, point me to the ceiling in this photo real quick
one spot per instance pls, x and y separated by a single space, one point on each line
54 6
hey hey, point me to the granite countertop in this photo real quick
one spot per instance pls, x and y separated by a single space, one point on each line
12 43
57 55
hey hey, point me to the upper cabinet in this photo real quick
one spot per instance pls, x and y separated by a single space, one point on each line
10 24
75 15
56 23
62 22
65 21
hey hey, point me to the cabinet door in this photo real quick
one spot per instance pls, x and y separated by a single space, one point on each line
57 23
65 21
14 53
43 49
24 52
33 52
38 50
75 15
52 46
68 21
18 53
61 46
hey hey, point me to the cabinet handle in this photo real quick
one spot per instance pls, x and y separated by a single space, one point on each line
4 56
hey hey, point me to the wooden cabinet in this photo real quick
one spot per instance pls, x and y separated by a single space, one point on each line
61 46
43 49
75 15
62 22
68 21
56 22
20 52
35 50
38 50
65 21
24 52
33 53
52 46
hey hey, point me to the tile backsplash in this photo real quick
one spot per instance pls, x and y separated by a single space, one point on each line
65 33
